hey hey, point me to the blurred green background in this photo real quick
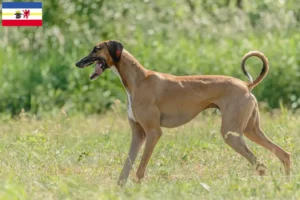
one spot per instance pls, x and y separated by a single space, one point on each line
182 37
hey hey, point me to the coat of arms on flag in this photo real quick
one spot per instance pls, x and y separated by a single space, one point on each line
22 14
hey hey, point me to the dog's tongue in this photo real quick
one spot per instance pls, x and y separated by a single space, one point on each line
98 71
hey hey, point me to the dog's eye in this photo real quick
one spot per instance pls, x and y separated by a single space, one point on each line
96 49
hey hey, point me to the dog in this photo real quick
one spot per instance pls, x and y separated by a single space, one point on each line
158 100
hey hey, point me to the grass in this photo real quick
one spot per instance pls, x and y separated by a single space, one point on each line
80 157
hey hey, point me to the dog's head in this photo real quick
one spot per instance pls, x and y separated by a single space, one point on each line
105 54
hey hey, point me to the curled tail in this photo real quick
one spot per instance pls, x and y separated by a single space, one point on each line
263 72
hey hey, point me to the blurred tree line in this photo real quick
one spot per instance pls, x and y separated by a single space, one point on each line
182 37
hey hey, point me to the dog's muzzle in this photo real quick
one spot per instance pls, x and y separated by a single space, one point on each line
100 67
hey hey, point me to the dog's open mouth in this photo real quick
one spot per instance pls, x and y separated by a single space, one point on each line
100 66
99 69
88 64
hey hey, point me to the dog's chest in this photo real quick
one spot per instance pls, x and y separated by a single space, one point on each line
129 105
129 98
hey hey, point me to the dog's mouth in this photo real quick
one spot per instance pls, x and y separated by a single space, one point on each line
99 69
88 64
100 66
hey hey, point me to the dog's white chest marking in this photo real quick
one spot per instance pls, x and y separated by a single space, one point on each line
129 107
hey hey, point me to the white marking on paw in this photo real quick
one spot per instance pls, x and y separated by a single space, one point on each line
129 107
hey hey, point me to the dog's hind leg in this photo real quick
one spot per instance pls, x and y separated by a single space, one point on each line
254 133
234 121
138 138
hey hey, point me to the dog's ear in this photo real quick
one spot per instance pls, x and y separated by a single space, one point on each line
115 49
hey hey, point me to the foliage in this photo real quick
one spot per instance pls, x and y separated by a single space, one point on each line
181 37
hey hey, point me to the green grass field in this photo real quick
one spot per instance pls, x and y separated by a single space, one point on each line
78 157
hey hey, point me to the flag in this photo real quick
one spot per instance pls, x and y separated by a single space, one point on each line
22 14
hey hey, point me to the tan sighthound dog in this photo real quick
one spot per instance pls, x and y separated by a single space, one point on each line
158 100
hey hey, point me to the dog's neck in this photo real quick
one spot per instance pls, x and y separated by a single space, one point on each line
131 72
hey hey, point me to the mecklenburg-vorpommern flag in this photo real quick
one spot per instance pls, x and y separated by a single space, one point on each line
22 14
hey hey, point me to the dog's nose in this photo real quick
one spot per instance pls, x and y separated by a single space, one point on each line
78 64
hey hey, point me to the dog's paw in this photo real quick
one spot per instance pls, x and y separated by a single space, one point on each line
261 169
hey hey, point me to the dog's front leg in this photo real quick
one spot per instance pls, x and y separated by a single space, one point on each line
152 137
138 138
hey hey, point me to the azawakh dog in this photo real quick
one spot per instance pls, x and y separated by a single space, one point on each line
158 100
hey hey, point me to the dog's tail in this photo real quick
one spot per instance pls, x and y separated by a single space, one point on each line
263 72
